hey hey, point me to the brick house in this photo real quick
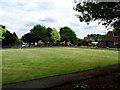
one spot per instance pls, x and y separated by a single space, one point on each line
111 40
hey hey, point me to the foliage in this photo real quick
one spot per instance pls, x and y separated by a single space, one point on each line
116 31
15 35
9 38
95 37
118 76
81 86
2 26
109 12
78 42
39 32
19 41
54 34
2 31
27 38
67 34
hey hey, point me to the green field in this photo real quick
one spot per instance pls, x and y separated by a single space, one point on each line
35 63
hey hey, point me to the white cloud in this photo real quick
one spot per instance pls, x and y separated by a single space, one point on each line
21 15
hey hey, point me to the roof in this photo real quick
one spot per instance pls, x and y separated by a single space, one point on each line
112 37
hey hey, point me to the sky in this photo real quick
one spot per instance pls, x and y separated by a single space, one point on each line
21 15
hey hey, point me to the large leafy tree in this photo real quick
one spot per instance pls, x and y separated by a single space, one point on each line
67 34
27 38
39 32
15 35
53 35
9 39
2 31
107 12
18 41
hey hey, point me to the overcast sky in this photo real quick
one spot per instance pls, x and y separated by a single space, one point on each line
21 15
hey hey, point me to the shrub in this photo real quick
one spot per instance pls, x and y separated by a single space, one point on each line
118 76
81 86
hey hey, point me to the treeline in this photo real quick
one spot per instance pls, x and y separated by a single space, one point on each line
50 36
8 39
40 35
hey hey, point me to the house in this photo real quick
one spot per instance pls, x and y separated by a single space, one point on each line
93 39
111 40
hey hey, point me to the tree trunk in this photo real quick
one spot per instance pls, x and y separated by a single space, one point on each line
46 43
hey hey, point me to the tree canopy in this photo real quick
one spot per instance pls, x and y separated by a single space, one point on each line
9 38
116 31
2 31
53 34
108 12
27 38
67 34
39 32
15 35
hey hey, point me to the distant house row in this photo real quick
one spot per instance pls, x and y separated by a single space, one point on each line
110 40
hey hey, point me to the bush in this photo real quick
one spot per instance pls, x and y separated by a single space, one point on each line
81 86
118 76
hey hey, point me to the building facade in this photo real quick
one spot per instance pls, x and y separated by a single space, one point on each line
111 41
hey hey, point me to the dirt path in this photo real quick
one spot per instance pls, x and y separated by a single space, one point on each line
55 81
103 82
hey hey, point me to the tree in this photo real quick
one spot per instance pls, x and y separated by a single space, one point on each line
78 42
15 35
39 32
53 34
2 31
18 41
27 38
116 31
109 12
2 26
9 39
95 37
67 34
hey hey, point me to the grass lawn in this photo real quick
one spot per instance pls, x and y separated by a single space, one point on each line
35 63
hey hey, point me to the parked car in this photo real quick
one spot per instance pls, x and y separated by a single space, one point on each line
25 45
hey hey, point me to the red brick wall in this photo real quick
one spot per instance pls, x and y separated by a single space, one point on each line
109 36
